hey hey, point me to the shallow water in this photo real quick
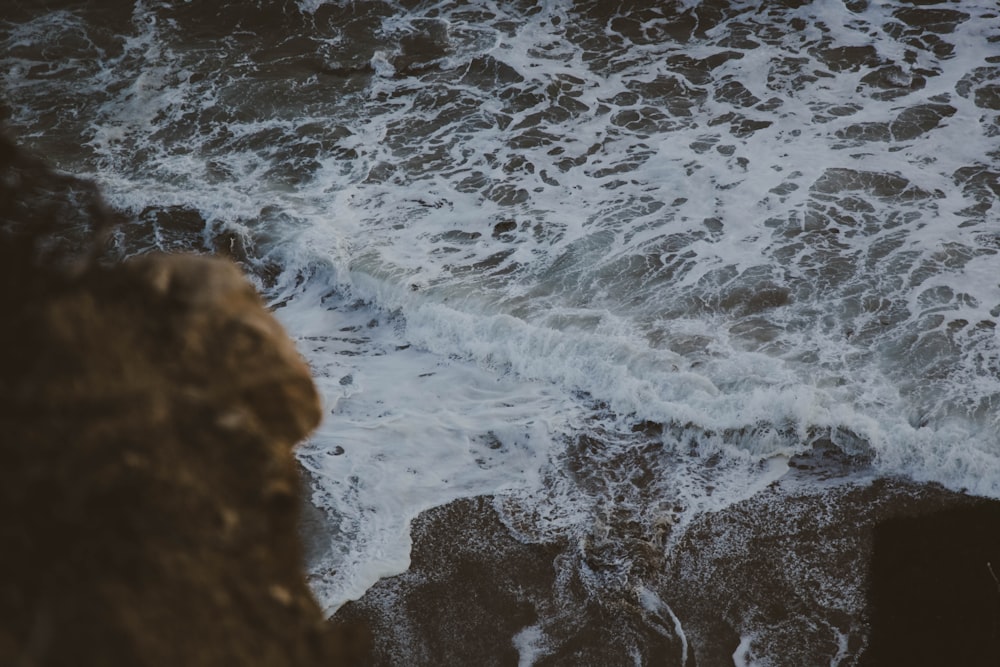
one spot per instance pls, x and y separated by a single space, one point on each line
616 266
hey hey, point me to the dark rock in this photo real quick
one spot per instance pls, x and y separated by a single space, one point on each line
866 132
942 21
736 94
754 299
908 125
981 84
912 122
473 587
815 569
795 571
454 606
879 184
892 81
699 72
150 495
422 49
935 595
849 58
504 228
988 97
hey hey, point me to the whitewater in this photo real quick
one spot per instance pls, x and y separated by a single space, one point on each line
500 230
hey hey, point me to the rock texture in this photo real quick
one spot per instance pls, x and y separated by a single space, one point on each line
148 411
935 576
882 573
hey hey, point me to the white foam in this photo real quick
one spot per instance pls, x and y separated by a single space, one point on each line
531 644
742 655
407 430
544 257
652 603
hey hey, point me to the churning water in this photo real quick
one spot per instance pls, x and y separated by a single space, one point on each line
517 240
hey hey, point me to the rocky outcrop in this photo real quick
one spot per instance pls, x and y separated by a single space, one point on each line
934 576
148 411
881 573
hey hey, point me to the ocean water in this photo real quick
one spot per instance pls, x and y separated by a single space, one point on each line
615 264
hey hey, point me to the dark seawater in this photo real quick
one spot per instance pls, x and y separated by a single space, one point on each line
645 287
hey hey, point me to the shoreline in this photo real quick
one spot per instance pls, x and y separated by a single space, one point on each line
794 577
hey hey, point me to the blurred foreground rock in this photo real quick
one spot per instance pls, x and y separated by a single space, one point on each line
148 411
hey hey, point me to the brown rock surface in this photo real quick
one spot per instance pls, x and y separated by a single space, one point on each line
148 411
805 572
